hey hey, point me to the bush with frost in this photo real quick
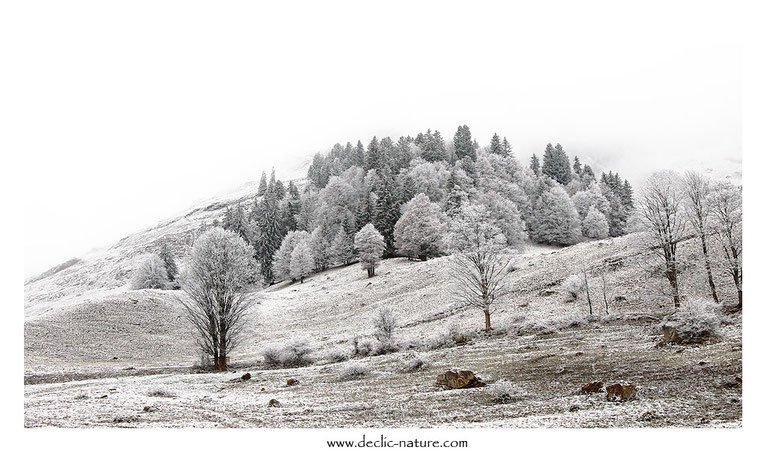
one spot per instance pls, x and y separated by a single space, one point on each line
695 322
353 370
150 274
417 362
505 392
291 353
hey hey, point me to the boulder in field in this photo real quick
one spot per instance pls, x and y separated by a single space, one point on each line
274 403
454 379
292 381
245 377
618 392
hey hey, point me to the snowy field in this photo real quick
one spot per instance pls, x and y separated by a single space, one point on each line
126 358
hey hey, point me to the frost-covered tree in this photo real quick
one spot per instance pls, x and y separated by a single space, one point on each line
320 247
595 225
592 196
301 261
370 247
697 188
556 164
341 248
216 278
506 217
727 208
660 207
262 184
556 220
431 179
535 165
387 211
384 323
170 263
281 262
480 260
495 144
150 274
463 144
420 230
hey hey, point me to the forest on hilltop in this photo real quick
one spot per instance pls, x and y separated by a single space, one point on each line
549 201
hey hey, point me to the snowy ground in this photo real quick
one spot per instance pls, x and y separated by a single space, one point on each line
98 361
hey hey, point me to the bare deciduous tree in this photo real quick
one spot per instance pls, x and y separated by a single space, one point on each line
480 261
697 188
727 207
215 278
660 207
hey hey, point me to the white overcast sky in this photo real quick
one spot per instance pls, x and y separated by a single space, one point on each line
127 113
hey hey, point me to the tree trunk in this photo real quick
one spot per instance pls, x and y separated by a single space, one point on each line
422 257
671 274
740 299
371 272
588 293
708 269
221 365
487 321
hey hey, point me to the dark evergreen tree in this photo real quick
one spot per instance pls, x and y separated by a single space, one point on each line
577 166
271 233
495 144
556 164
407 189
373 160
535 165
262 183
386 212
587 175
463 144
170 263
506 148
627 195
359 154
403 154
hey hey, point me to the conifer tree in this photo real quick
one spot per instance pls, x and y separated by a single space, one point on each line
495 144
359 154
271 233
463 144
387 212
577 166
535 165
170 263
373 159
262 183
506 148
556 165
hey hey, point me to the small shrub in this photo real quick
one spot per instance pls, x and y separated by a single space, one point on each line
385 322
354 370
505 392
150 274
695 322
293 353
339 354
368 346
415 363
573 285
445 338
161 393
